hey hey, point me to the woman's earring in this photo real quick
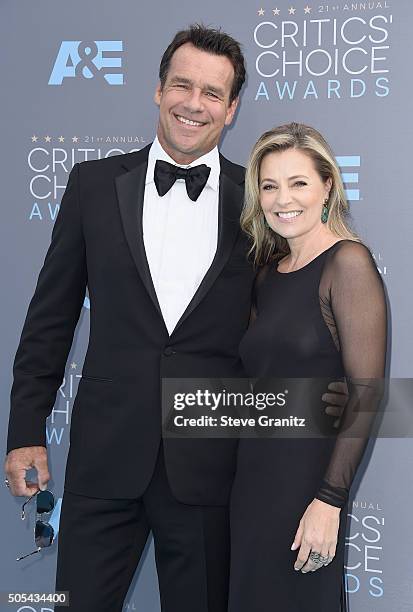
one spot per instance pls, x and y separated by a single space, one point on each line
324 212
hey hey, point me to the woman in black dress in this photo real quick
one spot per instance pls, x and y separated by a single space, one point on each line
319 312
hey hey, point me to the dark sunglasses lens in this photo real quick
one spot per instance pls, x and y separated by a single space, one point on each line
43 534
45 502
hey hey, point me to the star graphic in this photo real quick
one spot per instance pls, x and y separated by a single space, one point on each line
47 138
73 365
61 138
307 10
261 12
276 11
75 139
34 138
291 11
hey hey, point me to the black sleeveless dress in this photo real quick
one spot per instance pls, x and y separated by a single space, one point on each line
326 320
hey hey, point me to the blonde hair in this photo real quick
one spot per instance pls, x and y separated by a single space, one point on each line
267 244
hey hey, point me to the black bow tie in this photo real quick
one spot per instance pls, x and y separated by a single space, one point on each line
195 178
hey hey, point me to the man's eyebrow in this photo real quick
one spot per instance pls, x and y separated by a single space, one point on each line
180 79
213 88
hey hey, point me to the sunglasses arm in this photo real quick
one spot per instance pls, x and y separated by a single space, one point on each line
32 553
26 502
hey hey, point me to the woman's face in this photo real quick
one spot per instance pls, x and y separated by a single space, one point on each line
292 193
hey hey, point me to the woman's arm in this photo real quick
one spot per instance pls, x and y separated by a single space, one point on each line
358 307
353 291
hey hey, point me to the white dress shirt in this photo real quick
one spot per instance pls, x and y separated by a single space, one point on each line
180 236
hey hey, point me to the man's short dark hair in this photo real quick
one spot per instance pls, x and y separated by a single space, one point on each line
212 41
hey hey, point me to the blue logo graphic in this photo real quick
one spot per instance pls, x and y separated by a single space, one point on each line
54 519
347 162
89 59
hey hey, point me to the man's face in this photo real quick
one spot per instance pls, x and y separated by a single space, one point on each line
194 103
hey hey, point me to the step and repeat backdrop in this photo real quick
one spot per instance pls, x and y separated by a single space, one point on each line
77 83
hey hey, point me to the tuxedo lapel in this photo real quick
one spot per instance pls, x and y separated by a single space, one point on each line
231 194
130 187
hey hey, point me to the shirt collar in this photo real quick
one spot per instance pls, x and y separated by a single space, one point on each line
211 159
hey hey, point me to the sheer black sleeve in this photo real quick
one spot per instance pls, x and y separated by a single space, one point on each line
353 304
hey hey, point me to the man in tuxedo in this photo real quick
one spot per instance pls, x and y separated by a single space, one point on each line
154 235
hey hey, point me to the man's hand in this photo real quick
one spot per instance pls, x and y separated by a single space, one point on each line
337 399
18 461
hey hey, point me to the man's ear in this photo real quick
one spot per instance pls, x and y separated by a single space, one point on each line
158 94
231 111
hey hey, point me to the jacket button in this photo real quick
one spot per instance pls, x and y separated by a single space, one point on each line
168 351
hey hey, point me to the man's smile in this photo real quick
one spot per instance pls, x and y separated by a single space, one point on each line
190 122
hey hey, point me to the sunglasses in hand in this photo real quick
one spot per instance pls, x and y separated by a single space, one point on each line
43 531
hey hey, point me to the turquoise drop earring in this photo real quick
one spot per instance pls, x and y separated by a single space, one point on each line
324 212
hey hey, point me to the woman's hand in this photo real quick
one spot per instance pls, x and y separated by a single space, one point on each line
316 532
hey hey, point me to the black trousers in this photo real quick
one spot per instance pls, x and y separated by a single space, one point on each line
101 541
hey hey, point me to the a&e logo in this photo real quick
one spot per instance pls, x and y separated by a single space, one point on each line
347 164
89 59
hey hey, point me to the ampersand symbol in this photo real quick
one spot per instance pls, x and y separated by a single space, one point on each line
87 50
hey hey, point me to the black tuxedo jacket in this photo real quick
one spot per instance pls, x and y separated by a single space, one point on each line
97 243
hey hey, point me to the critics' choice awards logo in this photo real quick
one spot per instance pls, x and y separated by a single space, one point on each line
51 158
322 52
57 423
364 567
88 60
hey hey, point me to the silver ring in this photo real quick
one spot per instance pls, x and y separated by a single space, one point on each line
6 482
316 557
